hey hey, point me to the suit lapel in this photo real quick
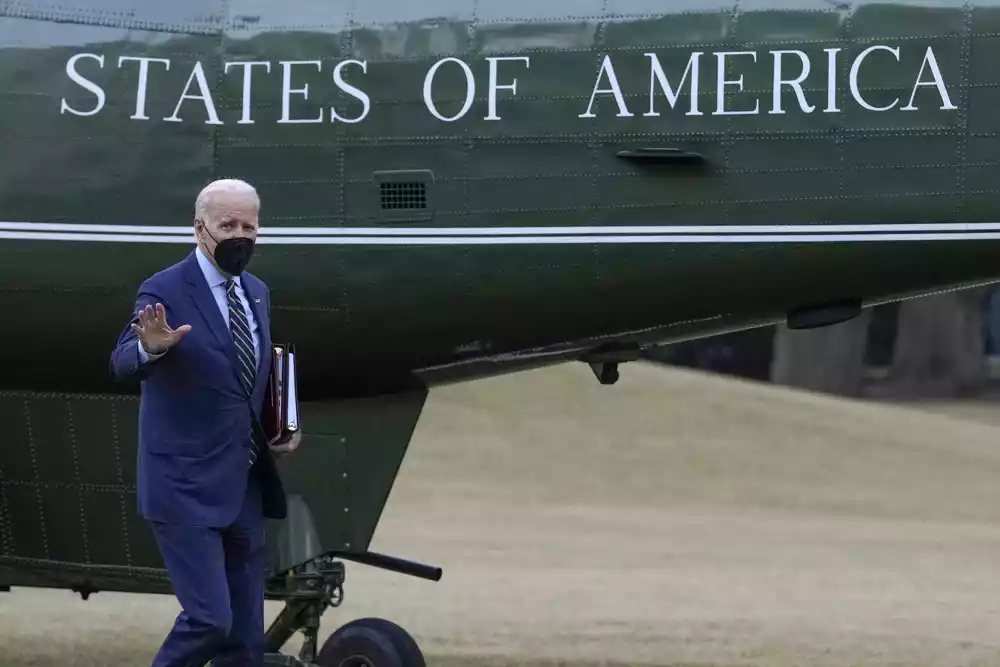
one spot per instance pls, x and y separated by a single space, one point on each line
201 294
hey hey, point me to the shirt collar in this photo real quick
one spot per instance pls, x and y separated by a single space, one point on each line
212 274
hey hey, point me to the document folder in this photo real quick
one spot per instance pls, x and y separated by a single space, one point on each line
280 417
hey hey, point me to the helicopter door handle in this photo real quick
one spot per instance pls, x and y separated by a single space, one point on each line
662 155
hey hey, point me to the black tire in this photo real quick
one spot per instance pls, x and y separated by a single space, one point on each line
370 642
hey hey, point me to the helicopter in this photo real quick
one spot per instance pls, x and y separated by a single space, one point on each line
451 190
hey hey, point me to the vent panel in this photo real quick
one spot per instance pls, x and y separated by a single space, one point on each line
397 195
404 195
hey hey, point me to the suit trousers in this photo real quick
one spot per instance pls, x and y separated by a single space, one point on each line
218 578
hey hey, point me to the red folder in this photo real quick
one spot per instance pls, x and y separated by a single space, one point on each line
280 413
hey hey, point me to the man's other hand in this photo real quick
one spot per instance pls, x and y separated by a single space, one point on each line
154 333
287 446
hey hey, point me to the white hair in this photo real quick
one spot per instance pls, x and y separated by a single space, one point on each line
223 186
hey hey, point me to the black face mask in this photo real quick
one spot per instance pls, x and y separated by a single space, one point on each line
232 255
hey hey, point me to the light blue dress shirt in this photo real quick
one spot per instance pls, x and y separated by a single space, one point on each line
217 283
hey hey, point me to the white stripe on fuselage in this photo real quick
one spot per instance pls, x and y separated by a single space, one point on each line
812 233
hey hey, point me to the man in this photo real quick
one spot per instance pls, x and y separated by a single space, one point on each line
199 341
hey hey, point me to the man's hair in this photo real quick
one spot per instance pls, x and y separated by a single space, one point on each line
223 186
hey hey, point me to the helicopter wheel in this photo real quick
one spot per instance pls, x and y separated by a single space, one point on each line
370 642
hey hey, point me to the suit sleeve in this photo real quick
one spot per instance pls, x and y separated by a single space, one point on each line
129 361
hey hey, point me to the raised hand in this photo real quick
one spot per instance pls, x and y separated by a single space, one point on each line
155 334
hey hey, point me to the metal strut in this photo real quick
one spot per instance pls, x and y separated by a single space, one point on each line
309 589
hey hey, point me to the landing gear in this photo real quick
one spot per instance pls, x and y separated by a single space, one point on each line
370 642
367 642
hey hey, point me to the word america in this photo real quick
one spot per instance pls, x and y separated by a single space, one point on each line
727 66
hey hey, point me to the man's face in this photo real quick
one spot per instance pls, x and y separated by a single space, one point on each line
230 216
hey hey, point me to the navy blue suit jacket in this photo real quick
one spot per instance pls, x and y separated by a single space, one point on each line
195 417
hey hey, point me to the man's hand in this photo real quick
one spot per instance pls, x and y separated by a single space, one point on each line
287 446
154 333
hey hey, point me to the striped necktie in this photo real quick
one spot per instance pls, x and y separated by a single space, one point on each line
240 330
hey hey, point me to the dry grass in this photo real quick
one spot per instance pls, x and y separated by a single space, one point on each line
673 519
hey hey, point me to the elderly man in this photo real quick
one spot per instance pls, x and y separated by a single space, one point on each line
199 341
